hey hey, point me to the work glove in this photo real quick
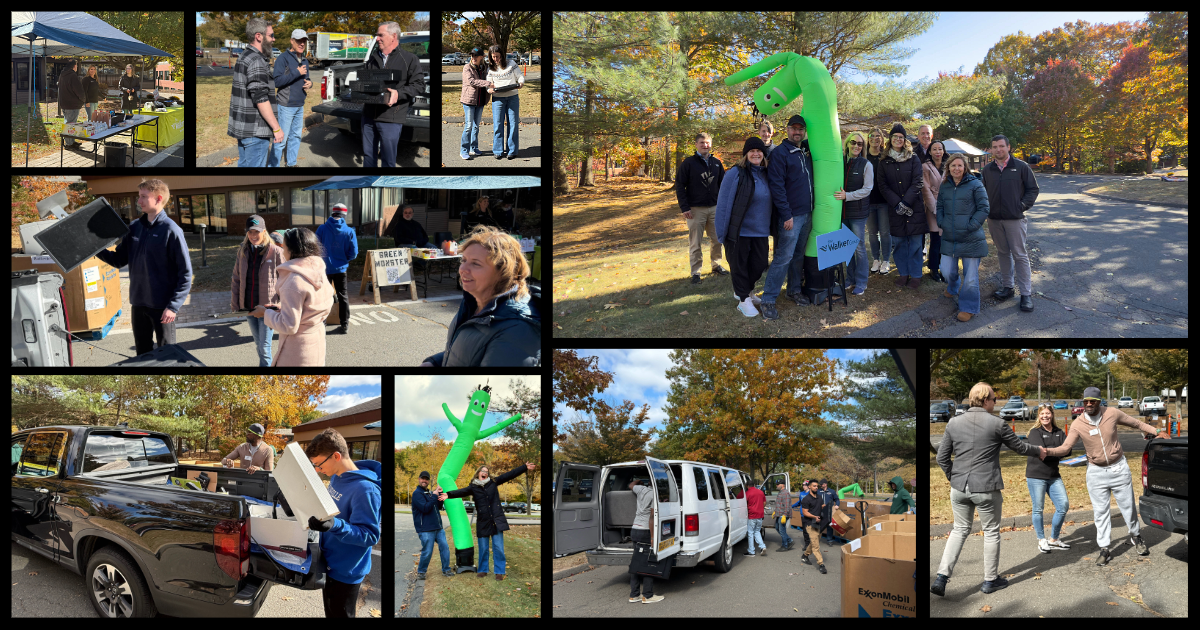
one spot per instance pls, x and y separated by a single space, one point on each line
320 526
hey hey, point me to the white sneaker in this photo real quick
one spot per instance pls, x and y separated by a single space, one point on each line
651 600
875 266
754 299
1043 546
883 268
747 308
1059 544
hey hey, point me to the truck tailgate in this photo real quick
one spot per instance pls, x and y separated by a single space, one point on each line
1167 464
339 108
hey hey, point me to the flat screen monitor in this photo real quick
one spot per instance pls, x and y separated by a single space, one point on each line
83 234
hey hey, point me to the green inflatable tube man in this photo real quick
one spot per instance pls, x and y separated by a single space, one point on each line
852 489
468 432
807 76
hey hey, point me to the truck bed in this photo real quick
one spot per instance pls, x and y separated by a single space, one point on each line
260 485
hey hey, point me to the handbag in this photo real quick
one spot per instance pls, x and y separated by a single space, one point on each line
644 563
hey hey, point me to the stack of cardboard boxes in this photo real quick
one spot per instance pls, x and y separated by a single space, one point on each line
878 568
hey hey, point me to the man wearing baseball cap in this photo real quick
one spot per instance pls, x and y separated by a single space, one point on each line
474 96
341 246
428 525
790 175
1107 472
254 453
291 84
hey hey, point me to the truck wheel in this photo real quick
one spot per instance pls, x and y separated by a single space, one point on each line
116 587
724 557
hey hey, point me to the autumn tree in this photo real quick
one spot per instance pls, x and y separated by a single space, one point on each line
499 25
1058 98
576 382
524 437
750 409
160 29
967 367
1054 377
1165 368
606 434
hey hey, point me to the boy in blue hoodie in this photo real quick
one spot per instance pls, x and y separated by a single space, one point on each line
347 538
341 246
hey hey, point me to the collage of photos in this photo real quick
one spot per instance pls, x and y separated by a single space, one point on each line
418 263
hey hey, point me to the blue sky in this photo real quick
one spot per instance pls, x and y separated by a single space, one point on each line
640 376
419 403
347 391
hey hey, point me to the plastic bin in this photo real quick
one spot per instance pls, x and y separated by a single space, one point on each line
114 154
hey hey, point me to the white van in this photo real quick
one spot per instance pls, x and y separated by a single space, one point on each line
700 515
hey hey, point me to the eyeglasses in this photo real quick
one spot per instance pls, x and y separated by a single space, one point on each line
855 143
323 461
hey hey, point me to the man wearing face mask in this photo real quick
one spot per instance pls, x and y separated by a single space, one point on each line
1108 474
254 453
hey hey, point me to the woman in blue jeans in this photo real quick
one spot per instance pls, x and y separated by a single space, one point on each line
860 180
877 216
256 282
506 80
962 206
1042 477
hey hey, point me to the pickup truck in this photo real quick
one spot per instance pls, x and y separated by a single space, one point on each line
99 502
1164 500
1151 405
347 116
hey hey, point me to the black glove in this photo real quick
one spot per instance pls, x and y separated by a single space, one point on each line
320 526
903 209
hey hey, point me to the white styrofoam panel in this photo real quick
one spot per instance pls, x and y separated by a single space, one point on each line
302 486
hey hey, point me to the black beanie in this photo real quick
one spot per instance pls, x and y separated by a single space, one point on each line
898 128
754 142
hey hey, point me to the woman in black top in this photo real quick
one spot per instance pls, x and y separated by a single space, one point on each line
1042 477
91 91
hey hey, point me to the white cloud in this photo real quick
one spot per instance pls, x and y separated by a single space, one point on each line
860 354
406 444
419 398
637 370
353 380
338 402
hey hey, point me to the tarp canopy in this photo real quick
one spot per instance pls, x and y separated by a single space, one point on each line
958 146
467 182
73 33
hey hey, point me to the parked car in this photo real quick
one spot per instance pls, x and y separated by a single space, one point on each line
515 58
469 505
274 52
1016 410
450 60
1164 500
1151 405
1060 404
939 412
535 60
99 502
1125 401
199 52
700 512
536 507
515 506
1015 399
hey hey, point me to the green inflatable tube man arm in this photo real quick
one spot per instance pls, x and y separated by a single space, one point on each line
852 490
807 76
468 432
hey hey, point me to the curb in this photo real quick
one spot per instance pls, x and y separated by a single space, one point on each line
1142 202
575 570
1027 520
527 121
164 154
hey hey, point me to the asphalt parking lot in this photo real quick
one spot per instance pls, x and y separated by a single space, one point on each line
325 146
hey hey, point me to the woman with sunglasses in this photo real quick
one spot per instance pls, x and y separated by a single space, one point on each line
1042 478
860 179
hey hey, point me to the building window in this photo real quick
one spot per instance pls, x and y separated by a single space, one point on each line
267 200
302 207
241 202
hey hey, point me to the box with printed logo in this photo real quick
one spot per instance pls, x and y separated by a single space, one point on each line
878 576
91 291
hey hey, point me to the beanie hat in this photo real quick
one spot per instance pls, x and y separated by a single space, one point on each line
754 142
898 128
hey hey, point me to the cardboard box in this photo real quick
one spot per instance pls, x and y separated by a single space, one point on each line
92 290
893 527
877 576
302 486
847 524
284 534
887 517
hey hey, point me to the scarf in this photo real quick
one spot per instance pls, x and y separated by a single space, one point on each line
899 157
480 482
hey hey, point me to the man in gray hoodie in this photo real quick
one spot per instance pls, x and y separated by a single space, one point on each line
974 439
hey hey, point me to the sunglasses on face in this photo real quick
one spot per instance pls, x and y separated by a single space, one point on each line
855 143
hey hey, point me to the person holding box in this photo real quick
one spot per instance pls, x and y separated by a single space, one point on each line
382 124
506 79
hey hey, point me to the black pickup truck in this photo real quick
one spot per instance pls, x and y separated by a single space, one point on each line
98 501
1164 502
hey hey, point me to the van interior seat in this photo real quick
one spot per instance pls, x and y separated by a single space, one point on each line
619 508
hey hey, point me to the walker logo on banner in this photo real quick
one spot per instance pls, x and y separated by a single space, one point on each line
392 266
835 247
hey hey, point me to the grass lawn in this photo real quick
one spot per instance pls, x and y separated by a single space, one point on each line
1062 417
43 140
465 595
531 101
624 243
1149 190
212 113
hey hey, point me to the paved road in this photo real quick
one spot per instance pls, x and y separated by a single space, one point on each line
379 335
529 140
763 585
1070 583
1105 269
57 592
325 146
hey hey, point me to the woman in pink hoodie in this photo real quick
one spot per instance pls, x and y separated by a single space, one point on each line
305 298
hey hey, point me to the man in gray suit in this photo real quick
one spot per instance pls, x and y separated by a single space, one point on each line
974 438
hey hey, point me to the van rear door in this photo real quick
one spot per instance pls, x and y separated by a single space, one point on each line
667 534
769 489
576 509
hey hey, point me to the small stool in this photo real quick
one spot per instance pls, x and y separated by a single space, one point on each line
837 277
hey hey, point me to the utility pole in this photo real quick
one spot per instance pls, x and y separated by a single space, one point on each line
1038 365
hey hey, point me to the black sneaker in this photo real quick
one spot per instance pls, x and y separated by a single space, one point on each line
939 585
695 278
420 576
1136 541
800 299
1003 293
768 310
747 553
805 560
782 549
721 270
995 585
1103 557
821 568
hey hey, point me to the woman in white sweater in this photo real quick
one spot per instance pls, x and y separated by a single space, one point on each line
506 80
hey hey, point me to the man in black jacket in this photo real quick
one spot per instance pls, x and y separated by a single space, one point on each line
1011 190
70 95
381 124
697 183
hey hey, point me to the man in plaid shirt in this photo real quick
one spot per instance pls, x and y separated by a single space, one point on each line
783 510
252 102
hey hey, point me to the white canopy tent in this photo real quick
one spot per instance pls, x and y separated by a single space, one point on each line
69 34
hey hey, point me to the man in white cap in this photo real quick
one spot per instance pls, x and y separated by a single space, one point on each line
341 246
291 84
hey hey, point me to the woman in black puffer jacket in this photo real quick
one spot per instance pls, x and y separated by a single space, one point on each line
899 181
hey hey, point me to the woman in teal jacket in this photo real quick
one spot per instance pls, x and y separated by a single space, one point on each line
962 205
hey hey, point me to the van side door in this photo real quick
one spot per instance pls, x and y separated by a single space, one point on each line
714 533
576 509
737 506
666 534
